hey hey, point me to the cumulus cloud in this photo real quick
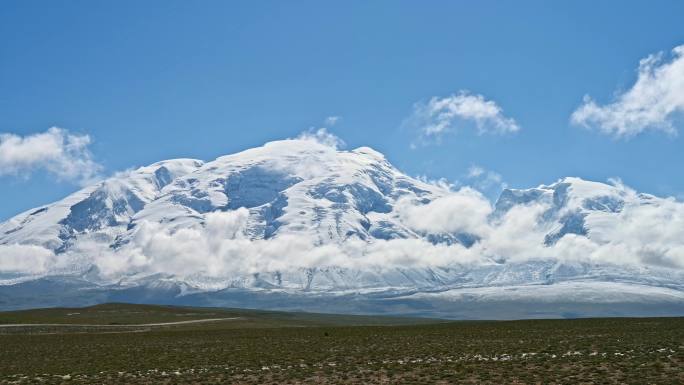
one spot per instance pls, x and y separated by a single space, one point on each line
56 151
652 103
442 115
650 233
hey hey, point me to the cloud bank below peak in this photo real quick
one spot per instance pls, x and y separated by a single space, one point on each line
651 104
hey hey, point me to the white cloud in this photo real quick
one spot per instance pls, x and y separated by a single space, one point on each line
652 103
465 210
442 115
29 259
57 151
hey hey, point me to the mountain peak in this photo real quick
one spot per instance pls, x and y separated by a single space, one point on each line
176 163
369 152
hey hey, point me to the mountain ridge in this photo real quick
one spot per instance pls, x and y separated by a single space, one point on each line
301 218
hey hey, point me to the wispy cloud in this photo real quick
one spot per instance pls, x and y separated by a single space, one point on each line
442 115
485 180
651 103
332 120
475 171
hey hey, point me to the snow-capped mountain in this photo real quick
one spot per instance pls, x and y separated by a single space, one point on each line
287 186
300 224
575 205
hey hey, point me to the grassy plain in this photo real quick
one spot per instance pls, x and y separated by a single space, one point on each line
275 347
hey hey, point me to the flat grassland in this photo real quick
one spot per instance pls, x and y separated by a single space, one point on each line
140 344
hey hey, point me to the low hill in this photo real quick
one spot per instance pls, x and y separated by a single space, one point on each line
123 314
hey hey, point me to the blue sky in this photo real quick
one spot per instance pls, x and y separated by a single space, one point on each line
153 80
